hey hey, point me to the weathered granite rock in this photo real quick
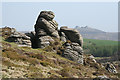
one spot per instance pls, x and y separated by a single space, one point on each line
7 31
46 24
19 38
77 47
19 35
89 60
48 15
111 68
45 29
92 58
41 32
44 41
73 44
63 37
73 35
73 51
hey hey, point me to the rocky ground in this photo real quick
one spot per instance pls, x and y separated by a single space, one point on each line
25 62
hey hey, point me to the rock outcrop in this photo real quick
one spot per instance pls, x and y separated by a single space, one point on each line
17 37
46 32
73 51
46 29
45 25
72 35
7 31
73 44
20 38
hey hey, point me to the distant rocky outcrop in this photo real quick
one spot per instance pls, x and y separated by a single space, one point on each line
92 33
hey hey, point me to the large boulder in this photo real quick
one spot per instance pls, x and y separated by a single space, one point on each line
73 51
73 35
45 29
73 44
46 23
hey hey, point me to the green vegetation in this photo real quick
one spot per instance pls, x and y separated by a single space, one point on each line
100 42
100 48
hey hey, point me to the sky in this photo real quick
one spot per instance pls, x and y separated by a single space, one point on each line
99 15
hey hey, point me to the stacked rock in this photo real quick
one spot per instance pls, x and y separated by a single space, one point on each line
45 29
73 35
73 45
17 37
73 51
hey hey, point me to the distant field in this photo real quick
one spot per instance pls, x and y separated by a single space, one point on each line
100 48
100 42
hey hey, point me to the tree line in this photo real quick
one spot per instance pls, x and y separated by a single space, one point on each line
100 51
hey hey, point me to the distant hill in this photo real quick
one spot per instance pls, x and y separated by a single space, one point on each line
91 33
